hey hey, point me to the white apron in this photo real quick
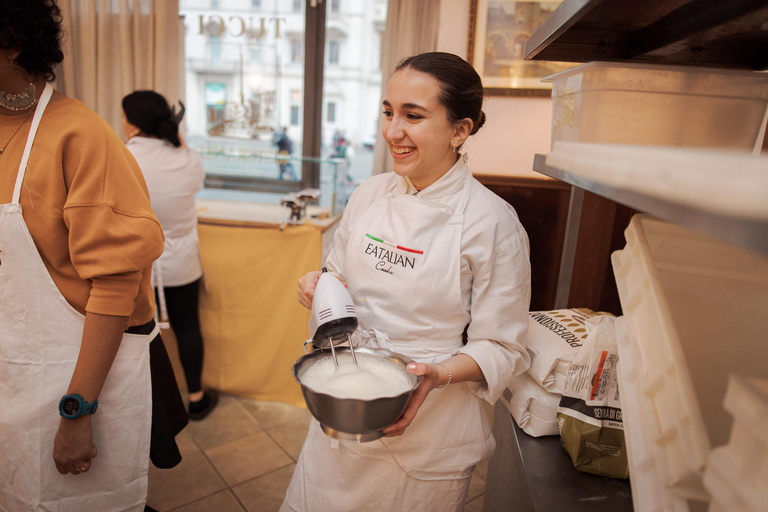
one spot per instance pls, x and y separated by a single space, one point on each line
180 253
403 272
39 344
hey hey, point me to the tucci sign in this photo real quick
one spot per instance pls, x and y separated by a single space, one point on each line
236 26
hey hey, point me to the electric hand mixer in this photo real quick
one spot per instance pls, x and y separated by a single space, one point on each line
332 322
333 318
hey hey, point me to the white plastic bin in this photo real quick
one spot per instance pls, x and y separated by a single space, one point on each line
737 473
658 105
697 310
649 494
727 491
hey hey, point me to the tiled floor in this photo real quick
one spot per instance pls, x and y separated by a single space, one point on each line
241 458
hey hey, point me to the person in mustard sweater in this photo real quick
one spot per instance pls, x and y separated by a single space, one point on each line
77 336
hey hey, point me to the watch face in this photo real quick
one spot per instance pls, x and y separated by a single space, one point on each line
71 406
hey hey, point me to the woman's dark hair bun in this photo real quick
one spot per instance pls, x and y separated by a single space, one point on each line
479 124
167 129
150 113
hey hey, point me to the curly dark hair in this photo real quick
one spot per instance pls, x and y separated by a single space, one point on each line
34 27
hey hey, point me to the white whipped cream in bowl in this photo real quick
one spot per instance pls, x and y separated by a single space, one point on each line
355 401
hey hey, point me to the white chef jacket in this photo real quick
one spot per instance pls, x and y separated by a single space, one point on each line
495 272
427 469
173 175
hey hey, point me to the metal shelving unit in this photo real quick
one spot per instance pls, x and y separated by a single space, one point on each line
708 33
720 33
748 230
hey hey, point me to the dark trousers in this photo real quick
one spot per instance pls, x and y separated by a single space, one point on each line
183 315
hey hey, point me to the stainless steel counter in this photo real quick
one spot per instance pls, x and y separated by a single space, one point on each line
535 474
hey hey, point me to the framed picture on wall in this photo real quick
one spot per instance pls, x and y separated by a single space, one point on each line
498 30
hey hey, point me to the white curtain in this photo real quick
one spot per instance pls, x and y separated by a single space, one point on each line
113 47
411 28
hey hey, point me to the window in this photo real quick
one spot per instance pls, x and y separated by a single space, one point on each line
252 68
333 53
214 51
296 50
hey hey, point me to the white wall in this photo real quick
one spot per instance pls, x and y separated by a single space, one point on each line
515 129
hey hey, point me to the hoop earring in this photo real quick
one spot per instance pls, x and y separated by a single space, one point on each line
22 101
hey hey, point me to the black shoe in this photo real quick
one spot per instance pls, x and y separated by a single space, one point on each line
200 409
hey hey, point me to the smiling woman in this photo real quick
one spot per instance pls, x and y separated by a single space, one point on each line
427 230
428 118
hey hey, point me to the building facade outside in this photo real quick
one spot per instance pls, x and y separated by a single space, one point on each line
245 76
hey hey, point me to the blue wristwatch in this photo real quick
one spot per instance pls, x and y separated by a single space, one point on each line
73 406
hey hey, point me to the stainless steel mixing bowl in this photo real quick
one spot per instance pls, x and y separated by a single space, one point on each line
350 418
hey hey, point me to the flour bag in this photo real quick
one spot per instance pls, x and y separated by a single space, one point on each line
589 416
554 338
533 407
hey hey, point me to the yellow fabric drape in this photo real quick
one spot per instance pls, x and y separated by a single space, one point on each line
253 325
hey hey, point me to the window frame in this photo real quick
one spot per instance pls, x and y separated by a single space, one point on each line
314 69
310 111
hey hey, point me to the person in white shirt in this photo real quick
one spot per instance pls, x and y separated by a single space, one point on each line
438 268
174 174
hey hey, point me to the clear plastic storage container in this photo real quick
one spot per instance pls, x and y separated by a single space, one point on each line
658 105
697 310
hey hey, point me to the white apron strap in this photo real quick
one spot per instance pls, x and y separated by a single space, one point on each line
161 309
41 104
427 350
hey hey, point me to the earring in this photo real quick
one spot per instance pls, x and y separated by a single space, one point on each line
22 101
455 147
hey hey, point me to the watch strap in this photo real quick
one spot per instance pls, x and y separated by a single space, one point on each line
83 409
89 407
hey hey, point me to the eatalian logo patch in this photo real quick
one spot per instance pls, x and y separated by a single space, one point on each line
386 258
